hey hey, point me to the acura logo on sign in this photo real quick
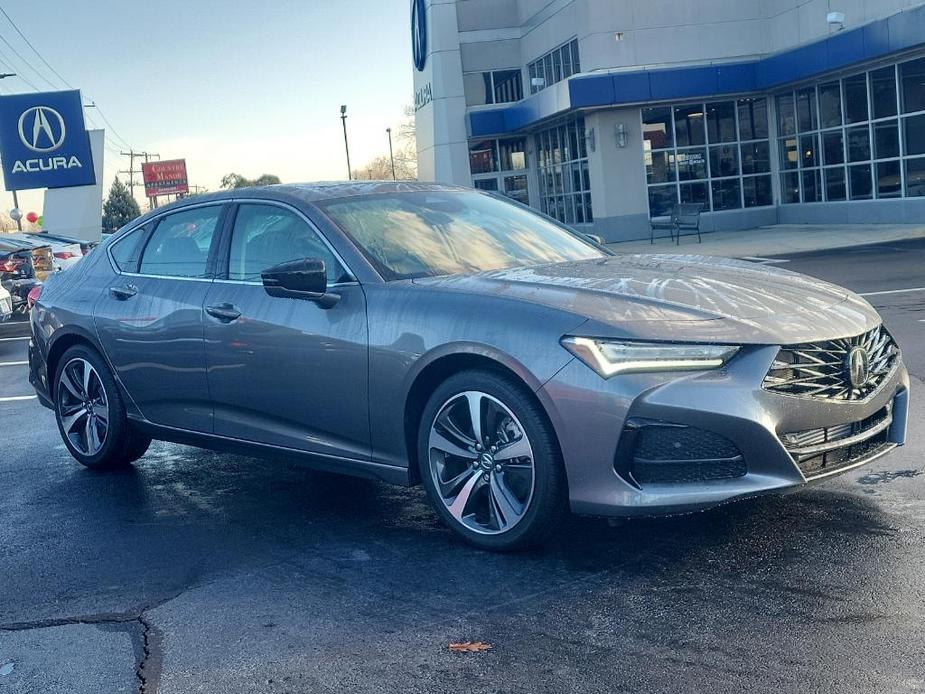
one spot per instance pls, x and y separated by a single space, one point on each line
419 33
41 129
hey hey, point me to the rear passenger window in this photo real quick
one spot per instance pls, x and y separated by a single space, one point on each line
179 246
125 250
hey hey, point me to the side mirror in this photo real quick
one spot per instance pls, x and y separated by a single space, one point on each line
595 238
299 279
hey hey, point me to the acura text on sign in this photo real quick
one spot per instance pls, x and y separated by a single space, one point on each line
163 177
44 142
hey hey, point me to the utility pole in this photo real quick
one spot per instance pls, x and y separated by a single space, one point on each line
343 119
391 156
132 154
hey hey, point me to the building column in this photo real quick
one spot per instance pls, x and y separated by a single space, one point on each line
618 175
440 102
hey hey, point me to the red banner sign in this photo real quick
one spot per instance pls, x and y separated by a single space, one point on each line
165 177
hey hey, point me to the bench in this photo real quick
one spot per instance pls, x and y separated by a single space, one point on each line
685 216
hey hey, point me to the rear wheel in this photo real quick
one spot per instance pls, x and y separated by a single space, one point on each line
91 414
490 463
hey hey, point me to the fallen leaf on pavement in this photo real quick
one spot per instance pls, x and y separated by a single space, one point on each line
470 647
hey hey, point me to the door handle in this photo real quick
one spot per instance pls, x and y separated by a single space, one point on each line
124 292
224 312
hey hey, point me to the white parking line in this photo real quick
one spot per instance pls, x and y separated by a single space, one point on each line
895 291
14 363
16 398
13 339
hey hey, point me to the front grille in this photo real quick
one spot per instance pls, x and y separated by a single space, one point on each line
653 452
823 369
825 450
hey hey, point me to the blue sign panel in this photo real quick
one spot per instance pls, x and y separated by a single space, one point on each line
419 34
44 142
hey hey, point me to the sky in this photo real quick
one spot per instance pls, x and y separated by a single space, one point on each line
231 86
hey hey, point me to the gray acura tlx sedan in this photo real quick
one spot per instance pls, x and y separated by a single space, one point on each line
435 334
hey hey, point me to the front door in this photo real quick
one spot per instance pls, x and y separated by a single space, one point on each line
286 372
150 319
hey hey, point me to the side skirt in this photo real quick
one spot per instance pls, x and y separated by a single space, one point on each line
316 461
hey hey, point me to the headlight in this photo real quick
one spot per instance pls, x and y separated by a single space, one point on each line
609 358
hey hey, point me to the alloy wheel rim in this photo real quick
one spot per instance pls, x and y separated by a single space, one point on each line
481 463
83 407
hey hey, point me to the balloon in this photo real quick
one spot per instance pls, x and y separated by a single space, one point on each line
32 218
41 221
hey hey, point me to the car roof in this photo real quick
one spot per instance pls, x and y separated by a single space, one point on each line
14 242
25 240
307 192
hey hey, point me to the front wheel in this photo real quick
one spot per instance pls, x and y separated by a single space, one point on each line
490 462
90 413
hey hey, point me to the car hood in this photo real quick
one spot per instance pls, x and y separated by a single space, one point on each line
688 297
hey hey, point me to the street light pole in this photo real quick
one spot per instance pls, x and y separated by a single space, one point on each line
391 156
343 119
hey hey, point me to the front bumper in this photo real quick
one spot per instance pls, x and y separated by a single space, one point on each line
592 415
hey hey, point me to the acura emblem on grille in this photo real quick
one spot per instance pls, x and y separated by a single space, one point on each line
857 365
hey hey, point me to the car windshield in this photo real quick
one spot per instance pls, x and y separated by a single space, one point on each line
423 234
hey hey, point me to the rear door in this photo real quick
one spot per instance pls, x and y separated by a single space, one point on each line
150 319
282 371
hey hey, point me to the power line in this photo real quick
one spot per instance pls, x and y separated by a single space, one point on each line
34 50
27 63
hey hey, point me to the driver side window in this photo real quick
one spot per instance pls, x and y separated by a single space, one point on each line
267 235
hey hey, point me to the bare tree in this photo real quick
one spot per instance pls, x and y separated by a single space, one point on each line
405 153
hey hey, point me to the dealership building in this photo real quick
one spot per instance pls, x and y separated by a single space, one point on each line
606 114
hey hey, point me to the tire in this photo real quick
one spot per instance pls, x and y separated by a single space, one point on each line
510 493
93 424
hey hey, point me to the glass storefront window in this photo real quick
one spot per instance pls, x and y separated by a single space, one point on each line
756 157
886 140
883 92
833 147
809 145
812 188
565 181
912 78
721 121
915 177
858 143
753 118
786 115
855 91
724 161
830 104
914 134
513 154
689 126
806 109
483 156
719 155
889 180
726 194
859 182
692 164
835 184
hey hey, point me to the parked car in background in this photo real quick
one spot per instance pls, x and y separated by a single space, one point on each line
65 254
85 246
23 265
433 334
6 305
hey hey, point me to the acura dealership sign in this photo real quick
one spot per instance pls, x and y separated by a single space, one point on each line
44 142
419 34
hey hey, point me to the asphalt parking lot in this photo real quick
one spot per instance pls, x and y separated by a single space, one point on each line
201 572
